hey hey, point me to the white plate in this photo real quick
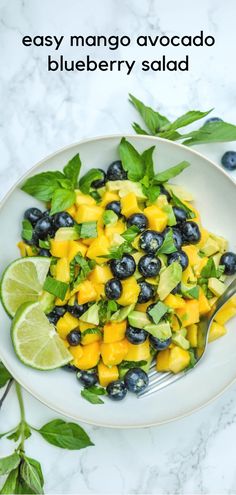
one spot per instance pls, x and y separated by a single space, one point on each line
215 198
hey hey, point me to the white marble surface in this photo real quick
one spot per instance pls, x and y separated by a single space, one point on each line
41 112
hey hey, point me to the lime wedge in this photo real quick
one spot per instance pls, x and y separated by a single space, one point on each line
36 341
23 282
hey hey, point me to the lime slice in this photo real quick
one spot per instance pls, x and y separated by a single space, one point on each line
36 341
23 282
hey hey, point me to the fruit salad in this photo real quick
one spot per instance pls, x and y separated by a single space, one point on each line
117 271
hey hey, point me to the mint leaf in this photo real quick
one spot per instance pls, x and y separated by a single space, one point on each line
209 270
42 186
139 129
92 331
171 172
85 268
152 193
72 170
131 160
131 233
4 375
9 486
61 200
109 217
177 202
168 245
65 435
91 397
116 252
147 157
55 287
191 293
187 118
31 473
131 364
153 120
211 132
88 230
158 311
7 464
27 230
86 181
44 244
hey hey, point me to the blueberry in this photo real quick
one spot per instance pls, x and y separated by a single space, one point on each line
59 310
147 292
124 267
177 289
150 307
33 241
113 288
88 378
150 241
99 182
213 119
179 256
33 215
44 227
116 171
74 337
229 261
180 214
62 219
55 314
44 252
159 345
165 192
177 237
190 232
228 160
77 309
136 380
149 266
138 220
136 335
70 367
116 390
114 206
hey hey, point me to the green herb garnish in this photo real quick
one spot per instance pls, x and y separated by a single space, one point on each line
55 287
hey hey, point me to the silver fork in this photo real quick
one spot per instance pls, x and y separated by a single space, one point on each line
157 381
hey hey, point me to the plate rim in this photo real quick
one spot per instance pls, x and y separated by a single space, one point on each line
3 201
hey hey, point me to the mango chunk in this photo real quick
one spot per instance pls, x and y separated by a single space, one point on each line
130 292
72 211
108 197
62 270
65 324
226 313
139 352
179 359
157 218
129 205
174 301
90 356
86 292
113 332
107 374
89 338
76 247
100 274
115 352
87 213
163 360
116 228
216 331
59 249
192 331
84 199
192 253
99 247
204 305
77 352
190 313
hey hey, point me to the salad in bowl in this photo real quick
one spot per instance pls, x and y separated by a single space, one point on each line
116 271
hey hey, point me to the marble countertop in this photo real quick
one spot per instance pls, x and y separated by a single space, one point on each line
41 112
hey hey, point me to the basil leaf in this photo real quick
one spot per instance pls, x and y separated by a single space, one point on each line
42 186
168 245
88 230
170 172
92 331
109 217
86 181
72 170
91 396
158 311
147 157
55 287
131 160
131 233
191 293
177 202
187 118
44 244
97 390
153 120
171 134
112 305
209 270
85 268
152 193
139 129
65 435
116 252
27 230
211 132
66 184
62 199
131 364
4 375
9 486
15 435
7 464
31 473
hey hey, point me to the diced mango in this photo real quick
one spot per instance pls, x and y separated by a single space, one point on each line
190 313
100 290
157 218
65 324
99 247
107 374
216 331
139 352
163 360
204 237
72 211
90 356
76 247
89 338
86 292
227 312
113 332
199 266
174 301
116 228
108 197
175 324
142 307
84 199
59 249
192 335
204 305
114 353
188 275
179 359
25 249
62 270
87 213
192 253
100 274
77 352
62 302
130 292
129 205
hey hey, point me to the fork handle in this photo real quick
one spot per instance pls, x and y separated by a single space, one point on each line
229 292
